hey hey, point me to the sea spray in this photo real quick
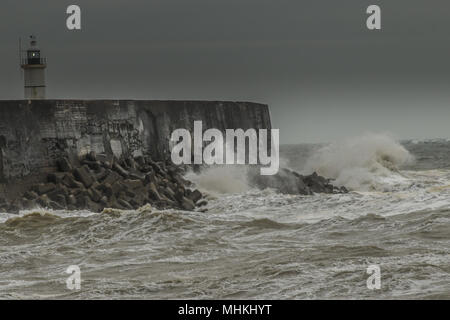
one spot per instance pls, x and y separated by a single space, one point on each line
220 179
368 162
229 180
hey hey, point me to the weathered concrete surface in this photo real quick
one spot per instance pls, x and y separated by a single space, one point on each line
34 134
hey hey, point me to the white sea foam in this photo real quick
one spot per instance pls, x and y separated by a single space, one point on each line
221 179
368 162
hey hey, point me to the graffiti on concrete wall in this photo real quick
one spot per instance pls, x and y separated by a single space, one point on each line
90 131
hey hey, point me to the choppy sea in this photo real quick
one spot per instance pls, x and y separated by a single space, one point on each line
255 244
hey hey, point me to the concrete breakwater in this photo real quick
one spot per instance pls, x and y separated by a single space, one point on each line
34 134
113 148
96 154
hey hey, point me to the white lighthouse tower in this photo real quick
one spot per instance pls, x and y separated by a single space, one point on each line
34 66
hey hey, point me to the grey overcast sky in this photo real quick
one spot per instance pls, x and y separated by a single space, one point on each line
324 75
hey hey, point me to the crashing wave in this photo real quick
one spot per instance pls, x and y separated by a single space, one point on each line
221 179
369 162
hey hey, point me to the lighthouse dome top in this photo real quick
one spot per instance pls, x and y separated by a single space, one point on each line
33 43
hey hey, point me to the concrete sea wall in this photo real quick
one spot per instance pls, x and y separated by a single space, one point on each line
35 133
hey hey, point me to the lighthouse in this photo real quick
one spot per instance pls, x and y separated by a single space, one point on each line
34 66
